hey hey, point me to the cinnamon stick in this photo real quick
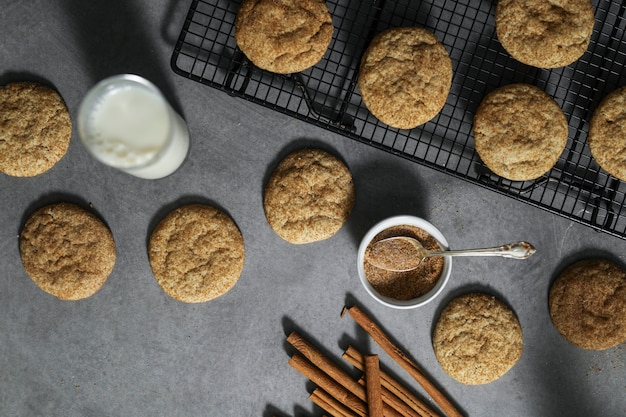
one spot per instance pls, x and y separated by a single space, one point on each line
329 385
396 354
354 357
329 404
341 377
374 389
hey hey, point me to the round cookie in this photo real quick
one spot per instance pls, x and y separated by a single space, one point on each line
587 304
545 34
477 339
309 196
607 134
405 77
519 132
35 129
283 36
67 251
196 253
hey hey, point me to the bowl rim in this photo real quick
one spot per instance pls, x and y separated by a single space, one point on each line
411 221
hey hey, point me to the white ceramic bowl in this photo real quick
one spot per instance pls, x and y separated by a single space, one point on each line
398 221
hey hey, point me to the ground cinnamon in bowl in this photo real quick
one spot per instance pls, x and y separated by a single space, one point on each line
404 285
406 289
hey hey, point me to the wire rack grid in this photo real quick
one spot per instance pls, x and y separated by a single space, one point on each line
327 95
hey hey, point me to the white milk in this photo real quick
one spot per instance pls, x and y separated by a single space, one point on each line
126 123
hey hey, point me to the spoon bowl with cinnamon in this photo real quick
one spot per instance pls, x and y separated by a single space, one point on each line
405 253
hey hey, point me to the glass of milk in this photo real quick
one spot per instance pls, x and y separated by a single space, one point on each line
125 122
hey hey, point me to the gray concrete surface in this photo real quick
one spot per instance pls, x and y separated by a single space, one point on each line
130 350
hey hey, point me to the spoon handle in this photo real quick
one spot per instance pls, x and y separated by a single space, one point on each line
517 250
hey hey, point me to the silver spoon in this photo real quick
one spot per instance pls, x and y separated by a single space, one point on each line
403 253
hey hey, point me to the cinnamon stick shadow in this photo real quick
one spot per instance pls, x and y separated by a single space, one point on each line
360 339
272 411
289 326
398 354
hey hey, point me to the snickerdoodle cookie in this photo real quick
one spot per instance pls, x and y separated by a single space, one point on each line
284 36
35 129
196 253
519 132
405 77
477 339
545 34
309 196
67 251
607 134
588 304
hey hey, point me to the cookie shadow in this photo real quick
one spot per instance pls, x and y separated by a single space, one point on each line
384 189
558 382
166 209
582 254
57 197
289 326
466 289
295 145
20 76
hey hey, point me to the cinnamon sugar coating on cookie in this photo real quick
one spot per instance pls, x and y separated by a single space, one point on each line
309 196
67 251
283 36
545 34
477 339
405 77
196 253
607 134
588 304
35 129
519 132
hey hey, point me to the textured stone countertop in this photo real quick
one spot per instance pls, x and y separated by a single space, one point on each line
130 350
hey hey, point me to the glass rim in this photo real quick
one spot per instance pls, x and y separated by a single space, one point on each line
100 89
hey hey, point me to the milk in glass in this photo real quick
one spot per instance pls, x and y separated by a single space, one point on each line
125 122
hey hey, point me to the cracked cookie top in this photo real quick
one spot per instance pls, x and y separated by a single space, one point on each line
405 77
35 129
309 196
283 36
67 251
607 134
545 34
519 132
587 304
196 253
477 339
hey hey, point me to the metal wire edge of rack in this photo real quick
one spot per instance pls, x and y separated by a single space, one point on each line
576 188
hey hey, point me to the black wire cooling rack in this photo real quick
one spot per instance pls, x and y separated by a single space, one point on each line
326 95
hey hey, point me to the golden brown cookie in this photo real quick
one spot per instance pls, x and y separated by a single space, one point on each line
405 77
587 304
35 129
67 251
309 196
519 132
607 134
196 253
545 34
283 36
477 339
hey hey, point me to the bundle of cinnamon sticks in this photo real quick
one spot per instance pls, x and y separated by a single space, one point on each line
376 393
